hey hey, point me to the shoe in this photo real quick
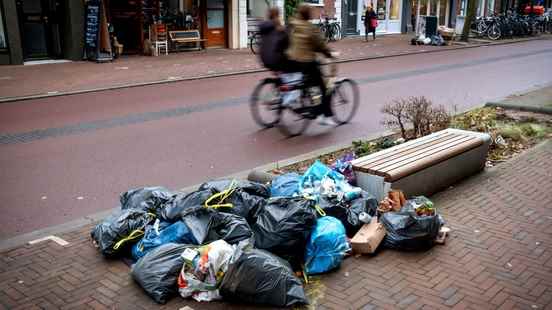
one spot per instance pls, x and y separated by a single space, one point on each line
326 121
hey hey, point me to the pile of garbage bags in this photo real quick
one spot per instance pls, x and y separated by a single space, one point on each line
245 241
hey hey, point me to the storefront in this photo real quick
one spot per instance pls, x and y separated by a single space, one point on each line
389 14
438 8
134 20
40 29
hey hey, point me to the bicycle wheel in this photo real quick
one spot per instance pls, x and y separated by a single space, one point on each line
255 43
336 32
294 119
324 32
345 101
291 123
494 32
265 103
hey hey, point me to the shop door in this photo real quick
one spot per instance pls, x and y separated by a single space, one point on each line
394 14
349 16
215 24
40 28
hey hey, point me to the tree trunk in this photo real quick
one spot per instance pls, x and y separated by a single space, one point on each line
470 17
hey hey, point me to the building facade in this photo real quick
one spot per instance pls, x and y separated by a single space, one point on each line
55 29
47 29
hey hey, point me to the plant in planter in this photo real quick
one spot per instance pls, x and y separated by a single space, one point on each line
418 112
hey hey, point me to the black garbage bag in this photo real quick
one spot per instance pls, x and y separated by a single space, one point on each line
245 198
258 276
175 207
157 272
115 235
151 199
410 232
209 225
252 188
348 212
283 227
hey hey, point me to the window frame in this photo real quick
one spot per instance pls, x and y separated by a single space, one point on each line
314 2
3 29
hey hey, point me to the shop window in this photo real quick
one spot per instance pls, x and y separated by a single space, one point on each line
490 7
433 7
481 8
461 8
3 39
215 19
442 12
381 9
394 9
423 7
314 2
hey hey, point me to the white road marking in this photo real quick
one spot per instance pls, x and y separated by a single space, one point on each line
57 240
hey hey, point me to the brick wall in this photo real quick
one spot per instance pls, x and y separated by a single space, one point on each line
328 9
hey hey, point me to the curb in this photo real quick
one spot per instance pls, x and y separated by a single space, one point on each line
244 72
75 224
526 108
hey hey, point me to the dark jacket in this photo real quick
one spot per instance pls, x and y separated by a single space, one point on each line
274 43
368 16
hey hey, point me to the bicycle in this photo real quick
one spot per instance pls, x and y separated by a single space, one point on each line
292 119
254 38
330 29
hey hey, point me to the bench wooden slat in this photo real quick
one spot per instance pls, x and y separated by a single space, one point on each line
398 152
414 153
436 153
188 40
408 158
406 146
424 160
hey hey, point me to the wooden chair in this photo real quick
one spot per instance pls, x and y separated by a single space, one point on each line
161 39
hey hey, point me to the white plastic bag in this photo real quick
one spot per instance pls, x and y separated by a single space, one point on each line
203 270
291 79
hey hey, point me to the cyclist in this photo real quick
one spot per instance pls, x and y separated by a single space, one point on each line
305 43
274 41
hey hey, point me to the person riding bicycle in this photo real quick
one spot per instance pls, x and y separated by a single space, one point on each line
274 42
305 43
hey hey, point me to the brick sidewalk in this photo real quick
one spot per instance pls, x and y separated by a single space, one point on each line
17 81
499 255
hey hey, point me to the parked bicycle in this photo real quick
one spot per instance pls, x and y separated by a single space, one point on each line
508 26
330 29
290 106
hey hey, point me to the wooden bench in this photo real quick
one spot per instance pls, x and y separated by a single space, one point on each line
423 166
185 37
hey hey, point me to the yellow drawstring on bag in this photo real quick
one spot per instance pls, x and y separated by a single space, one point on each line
320 210
133 235
223 196
317 206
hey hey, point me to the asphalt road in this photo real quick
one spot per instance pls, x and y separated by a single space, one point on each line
66 157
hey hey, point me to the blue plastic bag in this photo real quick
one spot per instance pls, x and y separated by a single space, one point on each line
327 246
321 180
156 236
285 185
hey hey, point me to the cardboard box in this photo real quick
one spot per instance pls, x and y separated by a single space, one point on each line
368 238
